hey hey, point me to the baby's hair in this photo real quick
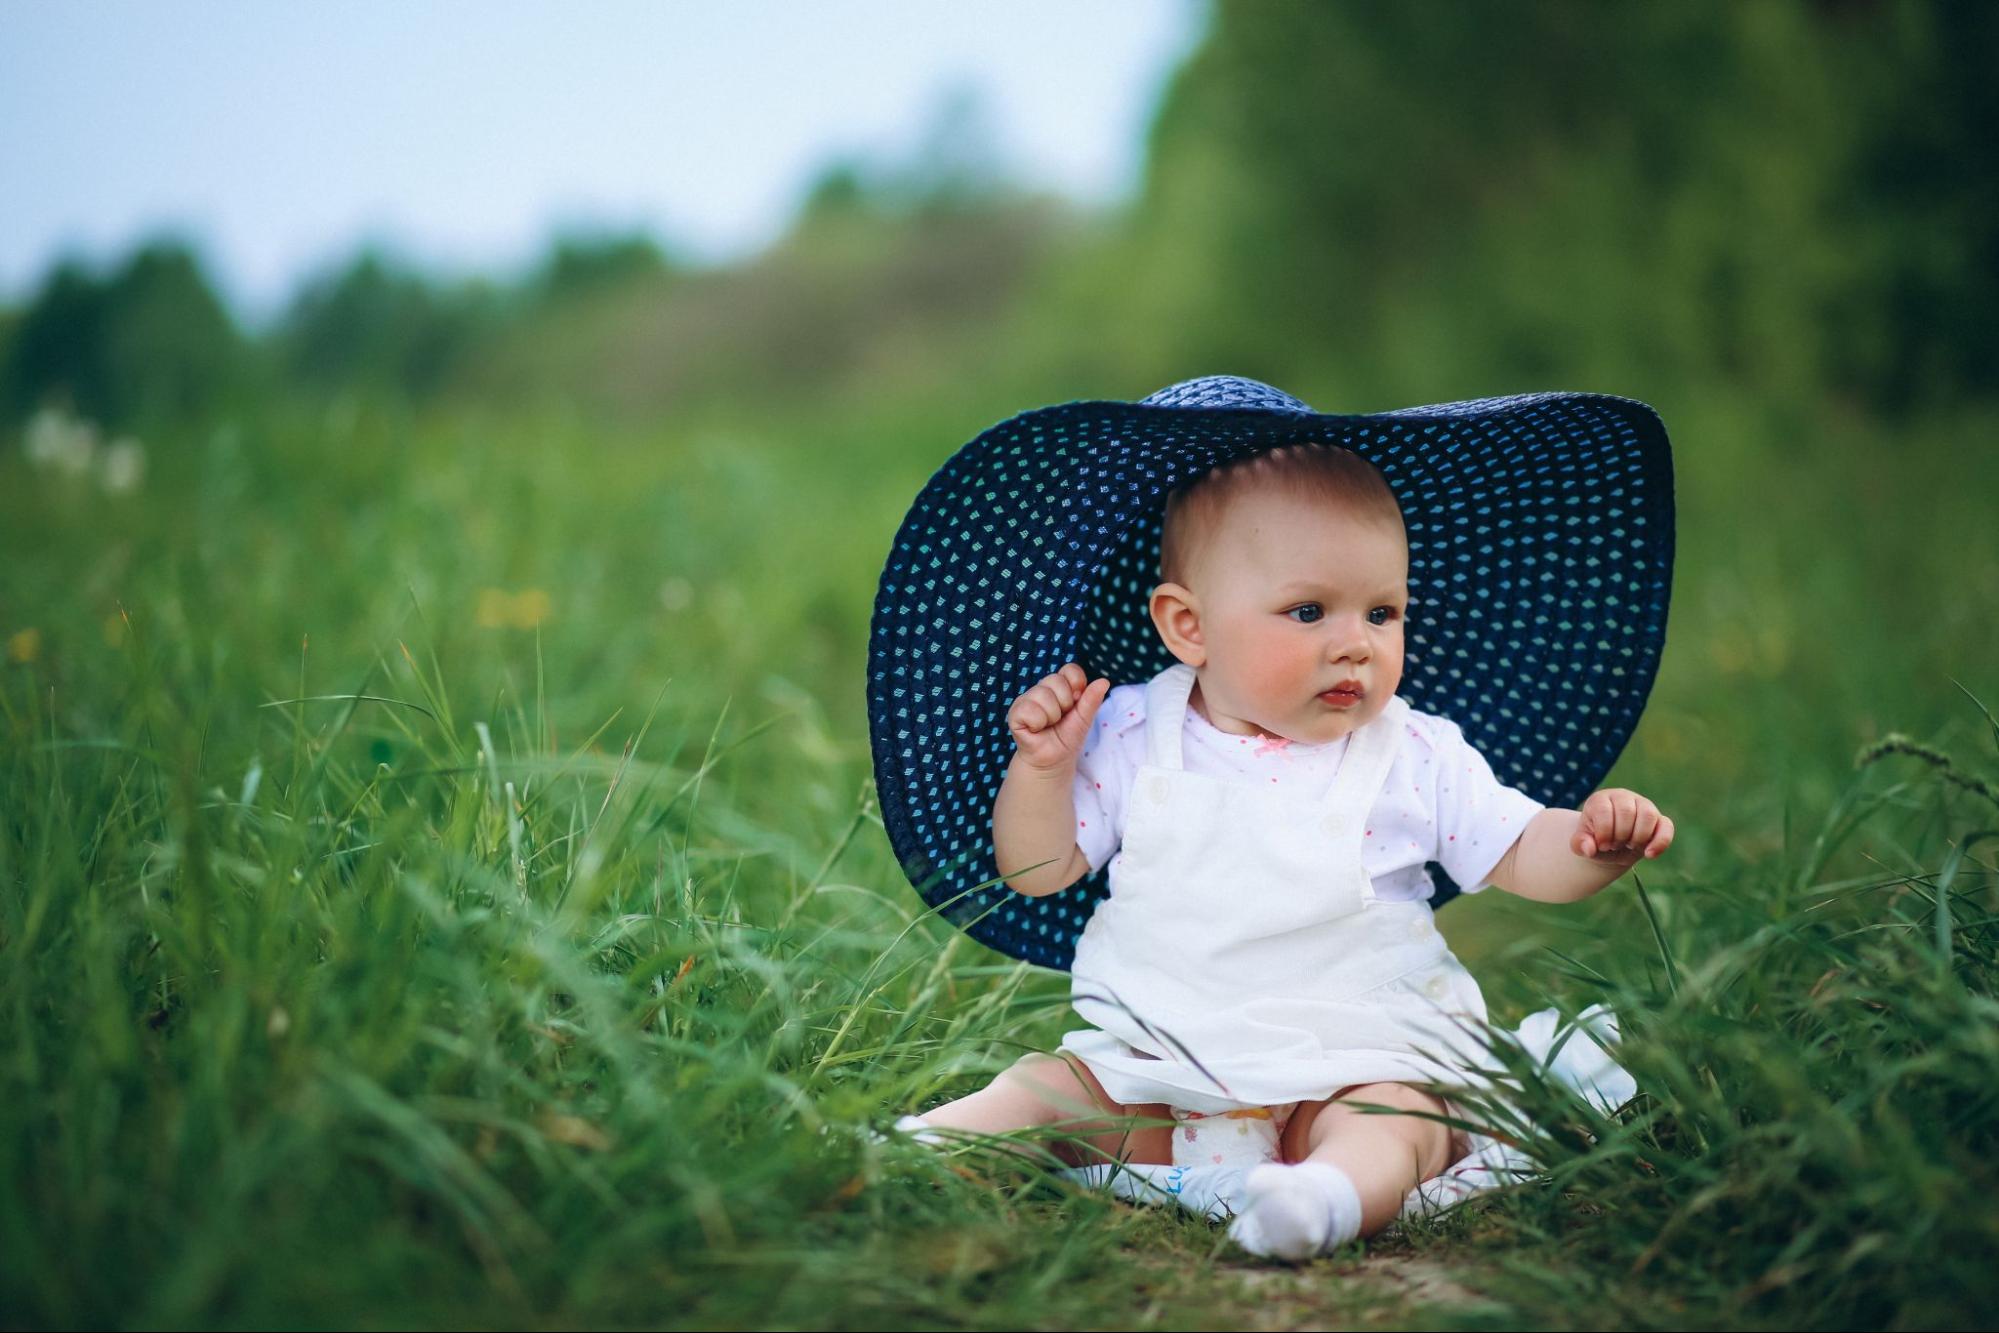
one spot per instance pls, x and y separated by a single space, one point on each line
1330 473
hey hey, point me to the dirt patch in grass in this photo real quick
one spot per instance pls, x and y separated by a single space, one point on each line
1396 1283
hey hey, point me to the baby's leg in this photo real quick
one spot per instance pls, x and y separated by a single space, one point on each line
1385 1156
1059 1090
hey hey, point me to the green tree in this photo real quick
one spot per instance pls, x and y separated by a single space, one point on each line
586 263
151 342
375 324
1383 201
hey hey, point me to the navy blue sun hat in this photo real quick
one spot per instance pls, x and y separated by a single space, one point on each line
1540 563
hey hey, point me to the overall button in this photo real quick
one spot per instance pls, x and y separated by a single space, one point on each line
1332 823
1155 791
1437 987
1418 927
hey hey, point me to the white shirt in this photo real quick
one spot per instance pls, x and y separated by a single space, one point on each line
1441 801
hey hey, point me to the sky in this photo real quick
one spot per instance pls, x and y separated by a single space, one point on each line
278 138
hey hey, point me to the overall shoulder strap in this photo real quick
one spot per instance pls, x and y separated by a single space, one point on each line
1370 754
1166 697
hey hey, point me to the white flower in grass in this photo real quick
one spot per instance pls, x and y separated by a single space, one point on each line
676 594
123 466
55 439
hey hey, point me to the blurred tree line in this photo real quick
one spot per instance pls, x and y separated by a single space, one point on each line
1372 202
151 341
1780 196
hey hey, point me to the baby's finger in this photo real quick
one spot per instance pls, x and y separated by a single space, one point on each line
1626 806
1662 838
1077 724
1616 828
1644 825
1061 689
1593 828
1035 710
1589 833
1053 705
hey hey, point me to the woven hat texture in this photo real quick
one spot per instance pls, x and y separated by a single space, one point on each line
1540 564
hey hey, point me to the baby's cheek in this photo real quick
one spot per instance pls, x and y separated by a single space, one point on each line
1277 674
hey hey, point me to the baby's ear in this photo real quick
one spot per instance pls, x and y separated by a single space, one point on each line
1176 615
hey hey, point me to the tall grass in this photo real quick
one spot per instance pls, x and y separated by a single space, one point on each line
1813 1141
439 883
481 1031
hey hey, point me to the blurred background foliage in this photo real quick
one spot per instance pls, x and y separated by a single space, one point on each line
1357 200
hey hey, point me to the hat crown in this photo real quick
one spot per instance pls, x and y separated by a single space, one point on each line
1224 391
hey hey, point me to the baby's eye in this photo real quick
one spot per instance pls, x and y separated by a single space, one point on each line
1317 614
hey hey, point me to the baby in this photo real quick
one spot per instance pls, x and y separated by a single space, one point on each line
1266 963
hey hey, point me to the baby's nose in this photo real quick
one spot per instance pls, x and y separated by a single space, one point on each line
1351 641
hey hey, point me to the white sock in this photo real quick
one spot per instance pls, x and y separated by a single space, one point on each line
1213 1192
1295 1212
919 1129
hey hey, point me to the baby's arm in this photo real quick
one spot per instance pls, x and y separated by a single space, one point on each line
1565 855
1034 816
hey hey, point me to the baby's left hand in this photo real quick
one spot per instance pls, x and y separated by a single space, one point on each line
1620 827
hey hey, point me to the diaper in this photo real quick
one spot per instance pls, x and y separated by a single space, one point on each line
1244 1138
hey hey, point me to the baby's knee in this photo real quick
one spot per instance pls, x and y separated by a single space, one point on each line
1401 1096
1059 1081
1430 1138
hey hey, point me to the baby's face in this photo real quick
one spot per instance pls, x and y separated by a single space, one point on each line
1292 599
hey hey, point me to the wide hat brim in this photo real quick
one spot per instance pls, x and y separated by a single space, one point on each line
1540 568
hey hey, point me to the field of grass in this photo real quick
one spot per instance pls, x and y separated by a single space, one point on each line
440 884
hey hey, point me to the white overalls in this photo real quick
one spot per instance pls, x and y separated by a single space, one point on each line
1243 963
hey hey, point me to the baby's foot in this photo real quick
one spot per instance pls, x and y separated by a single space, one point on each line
1295 1212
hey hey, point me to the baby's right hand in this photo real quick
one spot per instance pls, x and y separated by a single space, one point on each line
1050 721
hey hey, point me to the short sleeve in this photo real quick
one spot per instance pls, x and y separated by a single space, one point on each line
1478 816
1104 772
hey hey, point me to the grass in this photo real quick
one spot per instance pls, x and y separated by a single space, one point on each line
440 884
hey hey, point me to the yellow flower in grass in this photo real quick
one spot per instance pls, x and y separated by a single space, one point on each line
500 609
531 607
24 645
